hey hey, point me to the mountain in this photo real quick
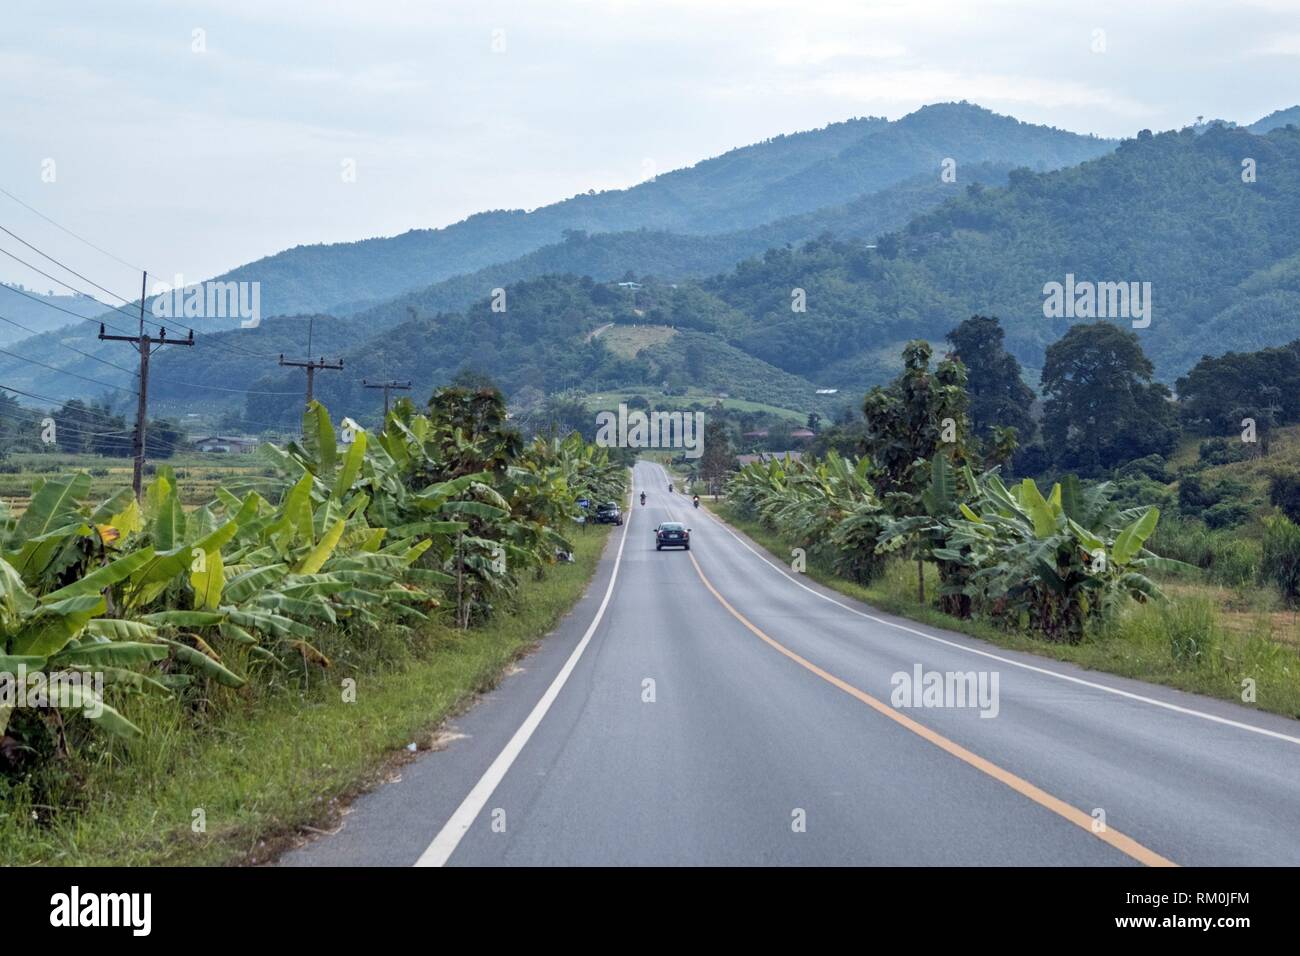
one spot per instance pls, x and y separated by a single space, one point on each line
667 255
25 311
1170 209
1276 120
1221 254
691 222
742 189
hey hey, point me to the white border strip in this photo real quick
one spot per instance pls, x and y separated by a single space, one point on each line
454 830
1006 660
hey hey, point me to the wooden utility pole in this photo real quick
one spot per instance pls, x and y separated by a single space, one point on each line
387 387
311 366
147 346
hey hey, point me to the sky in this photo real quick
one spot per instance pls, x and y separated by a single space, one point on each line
190 137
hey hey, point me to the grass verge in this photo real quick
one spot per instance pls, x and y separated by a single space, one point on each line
268 764
1181 643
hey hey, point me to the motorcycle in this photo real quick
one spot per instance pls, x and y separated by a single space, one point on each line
643 497
697 501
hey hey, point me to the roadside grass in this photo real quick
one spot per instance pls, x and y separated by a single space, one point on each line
1184 642
271 762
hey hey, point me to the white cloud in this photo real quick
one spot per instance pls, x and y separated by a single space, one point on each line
237 149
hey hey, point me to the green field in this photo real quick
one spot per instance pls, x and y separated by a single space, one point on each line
609 400
201 474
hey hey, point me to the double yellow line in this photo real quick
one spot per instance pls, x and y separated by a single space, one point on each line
1126 845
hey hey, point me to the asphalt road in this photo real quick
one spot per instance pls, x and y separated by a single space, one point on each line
714 707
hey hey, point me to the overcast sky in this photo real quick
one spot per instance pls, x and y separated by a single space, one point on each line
193 152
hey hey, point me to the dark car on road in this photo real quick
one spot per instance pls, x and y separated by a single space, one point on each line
672 534
609 513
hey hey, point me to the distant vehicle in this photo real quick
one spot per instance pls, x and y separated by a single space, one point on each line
672 534
643 497
609 513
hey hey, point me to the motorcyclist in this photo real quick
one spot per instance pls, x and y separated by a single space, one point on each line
643 497
696 501
670 487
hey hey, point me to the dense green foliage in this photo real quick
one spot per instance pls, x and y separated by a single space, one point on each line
1102 407
350 530
999 397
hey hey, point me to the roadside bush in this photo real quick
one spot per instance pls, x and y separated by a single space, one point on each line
1226 514
1235 560
1153 467
1284 493
1196 496
1280 563
1228 557
1139 491
1222 451
1193 495
1187 630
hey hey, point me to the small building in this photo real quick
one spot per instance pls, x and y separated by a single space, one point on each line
803 434
227 444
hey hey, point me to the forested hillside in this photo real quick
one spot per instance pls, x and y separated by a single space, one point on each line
832 312
856 177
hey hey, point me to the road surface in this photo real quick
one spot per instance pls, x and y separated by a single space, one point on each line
714 707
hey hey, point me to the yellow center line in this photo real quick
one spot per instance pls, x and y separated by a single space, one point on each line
1126 845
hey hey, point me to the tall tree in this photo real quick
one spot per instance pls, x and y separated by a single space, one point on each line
718 458
999 397
1102 406
915 425
919 413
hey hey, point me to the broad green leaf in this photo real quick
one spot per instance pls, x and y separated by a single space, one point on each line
185 618
104 577
1129 541
110 654
318 555
53 625
319 439
50 506
117 630
205 664
208 582
351 467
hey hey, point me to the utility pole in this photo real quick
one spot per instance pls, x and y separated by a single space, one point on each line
387 387
147 346
312 367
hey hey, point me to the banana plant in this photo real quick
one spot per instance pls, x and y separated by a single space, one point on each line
1049 563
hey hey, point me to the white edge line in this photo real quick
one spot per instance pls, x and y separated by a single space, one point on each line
454 830
1005 660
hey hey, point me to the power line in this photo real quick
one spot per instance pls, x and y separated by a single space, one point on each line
387 387
70 232
102 361
56 404
65 285
73 427
110 255
63 371
230 346
58 308
63 266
